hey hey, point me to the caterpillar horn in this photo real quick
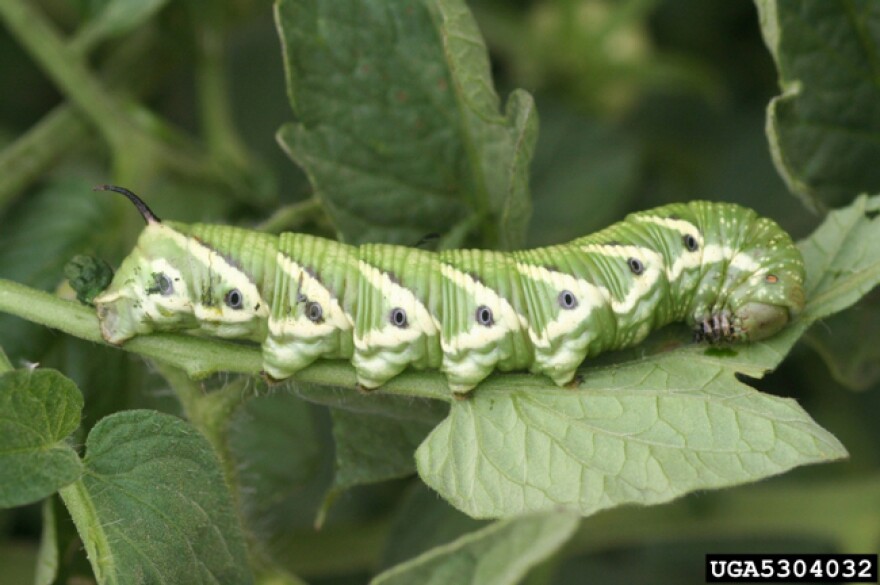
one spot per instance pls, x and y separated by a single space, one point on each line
146 212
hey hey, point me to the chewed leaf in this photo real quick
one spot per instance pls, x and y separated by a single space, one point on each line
153 505
38 411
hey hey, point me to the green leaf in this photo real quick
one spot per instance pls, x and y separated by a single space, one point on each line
824 127
849 344
398 125
375 435
374 448
843 247
641 432
842 263
153 507
278 577
278 457
38 411
420 410
501 553
370 449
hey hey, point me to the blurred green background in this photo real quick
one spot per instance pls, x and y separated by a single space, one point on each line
641 103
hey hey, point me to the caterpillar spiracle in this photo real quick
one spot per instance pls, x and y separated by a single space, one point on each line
731 275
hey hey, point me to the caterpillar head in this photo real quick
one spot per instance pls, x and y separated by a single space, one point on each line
172 281
766 279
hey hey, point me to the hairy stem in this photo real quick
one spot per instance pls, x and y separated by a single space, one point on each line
82 510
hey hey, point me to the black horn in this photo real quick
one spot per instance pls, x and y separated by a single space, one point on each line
146 212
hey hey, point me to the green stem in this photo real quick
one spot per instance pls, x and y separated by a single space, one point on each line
244 174
140 142
66 68
65 128
293 216
82 510
214 107
32 153
198 357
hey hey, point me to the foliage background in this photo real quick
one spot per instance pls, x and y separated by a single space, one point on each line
640 103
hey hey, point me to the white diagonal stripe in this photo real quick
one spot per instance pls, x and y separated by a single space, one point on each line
298 324
505 317
420 321
231 276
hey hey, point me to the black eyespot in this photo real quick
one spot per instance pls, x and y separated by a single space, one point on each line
567 300
234 299
314 312
690 242
398 317
163 283
484 316
636 266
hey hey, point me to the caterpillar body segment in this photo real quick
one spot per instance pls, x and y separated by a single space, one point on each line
730 274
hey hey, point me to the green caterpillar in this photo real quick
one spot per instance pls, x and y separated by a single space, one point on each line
719 267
